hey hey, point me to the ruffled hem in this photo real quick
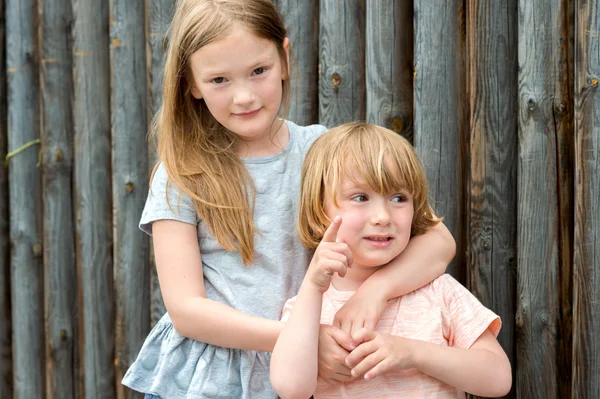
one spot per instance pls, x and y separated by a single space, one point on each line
172 366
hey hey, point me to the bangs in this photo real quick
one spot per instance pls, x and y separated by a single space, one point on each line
378 161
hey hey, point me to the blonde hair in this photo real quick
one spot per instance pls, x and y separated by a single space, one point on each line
384 159
198 153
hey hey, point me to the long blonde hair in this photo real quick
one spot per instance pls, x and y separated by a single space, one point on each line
384 159
198 153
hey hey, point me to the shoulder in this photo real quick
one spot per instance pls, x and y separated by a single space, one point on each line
305 135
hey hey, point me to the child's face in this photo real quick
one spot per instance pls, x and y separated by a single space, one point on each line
239 77
375 227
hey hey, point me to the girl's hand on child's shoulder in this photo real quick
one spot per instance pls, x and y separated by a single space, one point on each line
363 310
378 353
330 257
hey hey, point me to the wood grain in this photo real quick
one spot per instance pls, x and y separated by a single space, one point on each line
439 109
586 323
57 166
5 319
542 61
22 66
129 182
492 185
92 192
389 61
301 18
342 62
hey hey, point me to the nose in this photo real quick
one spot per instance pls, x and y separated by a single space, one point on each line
380 214
243 96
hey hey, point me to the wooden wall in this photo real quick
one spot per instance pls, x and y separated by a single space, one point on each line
500 98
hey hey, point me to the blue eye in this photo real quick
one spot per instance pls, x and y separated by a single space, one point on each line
360 198
399 198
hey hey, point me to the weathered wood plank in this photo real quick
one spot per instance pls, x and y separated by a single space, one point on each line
492 190
439 110
539 236
342 61
92 197
5 323
586 324
22 64
301 18
57 166
389 60
129 177
160 13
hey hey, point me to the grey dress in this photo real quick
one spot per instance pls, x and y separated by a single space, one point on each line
172 366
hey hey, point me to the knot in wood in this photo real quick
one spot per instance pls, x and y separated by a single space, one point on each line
37 249
129 187
561 108
397 124
58 155
63 335
336 80
593 81
531 104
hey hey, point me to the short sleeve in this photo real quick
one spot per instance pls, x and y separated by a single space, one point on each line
166 201
468 318
287 309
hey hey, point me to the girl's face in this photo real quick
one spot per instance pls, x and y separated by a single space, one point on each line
239 77
376 227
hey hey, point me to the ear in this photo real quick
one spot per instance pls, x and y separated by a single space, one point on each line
195 92
286 48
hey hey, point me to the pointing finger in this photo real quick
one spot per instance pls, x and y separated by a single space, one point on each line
331 232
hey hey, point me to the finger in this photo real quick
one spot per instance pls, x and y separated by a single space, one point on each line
370 323
357 325
346 326
363 335
331 232
367 364
379 369
360 353
342 338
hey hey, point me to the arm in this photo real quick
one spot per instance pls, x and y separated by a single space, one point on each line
179 266
294 363
425 258
482 370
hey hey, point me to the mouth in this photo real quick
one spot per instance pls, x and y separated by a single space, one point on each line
247 113
379 240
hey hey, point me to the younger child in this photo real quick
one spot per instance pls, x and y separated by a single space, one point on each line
364 191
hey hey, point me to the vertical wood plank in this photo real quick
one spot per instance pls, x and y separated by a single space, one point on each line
439 111
342 61
57 165
130 175
543 62
586 324
22 64
5 323
160 13
301 18
492 190
92 197
389 60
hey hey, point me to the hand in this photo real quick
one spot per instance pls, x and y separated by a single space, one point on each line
363 310
330 257
334 347
379 353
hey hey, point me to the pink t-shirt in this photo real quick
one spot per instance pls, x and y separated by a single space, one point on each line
442 312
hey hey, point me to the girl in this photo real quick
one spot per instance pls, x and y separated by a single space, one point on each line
367 184
221 211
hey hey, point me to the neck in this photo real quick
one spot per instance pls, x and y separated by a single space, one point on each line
355 276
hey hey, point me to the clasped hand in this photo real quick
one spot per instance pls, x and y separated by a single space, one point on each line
349 348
